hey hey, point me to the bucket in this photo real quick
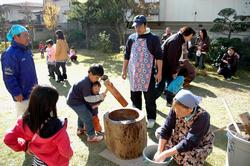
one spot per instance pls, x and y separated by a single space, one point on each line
238 149
148 155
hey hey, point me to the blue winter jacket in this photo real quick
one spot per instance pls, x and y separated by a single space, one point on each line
19 73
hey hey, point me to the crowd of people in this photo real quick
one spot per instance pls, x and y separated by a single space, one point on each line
154 67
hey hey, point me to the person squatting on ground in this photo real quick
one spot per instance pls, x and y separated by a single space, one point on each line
186 133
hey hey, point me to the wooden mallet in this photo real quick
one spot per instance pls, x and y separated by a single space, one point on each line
111 88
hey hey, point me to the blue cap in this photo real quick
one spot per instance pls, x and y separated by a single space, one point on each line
187 98
15 30
139 20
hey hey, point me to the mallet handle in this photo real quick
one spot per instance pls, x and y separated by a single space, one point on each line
111 88
231 117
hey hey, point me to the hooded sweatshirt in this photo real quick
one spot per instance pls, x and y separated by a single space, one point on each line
54 150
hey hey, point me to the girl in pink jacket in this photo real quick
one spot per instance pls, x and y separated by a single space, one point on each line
40 132
51 61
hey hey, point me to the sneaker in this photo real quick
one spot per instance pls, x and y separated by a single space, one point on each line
151 123
229 79
65 76
95 139
99 133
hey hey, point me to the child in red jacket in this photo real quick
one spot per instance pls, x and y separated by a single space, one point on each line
42 48
40 132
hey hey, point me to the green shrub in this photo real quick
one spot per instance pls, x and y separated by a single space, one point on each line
75 38
101 42
217 47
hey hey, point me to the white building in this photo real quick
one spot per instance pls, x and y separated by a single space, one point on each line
199 10
20 11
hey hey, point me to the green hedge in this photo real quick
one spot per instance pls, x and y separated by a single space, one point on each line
101 42
76 38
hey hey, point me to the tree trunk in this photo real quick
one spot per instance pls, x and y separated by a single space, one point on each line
125 132
119 30
87 35
229 34
230 30
84 32
120 34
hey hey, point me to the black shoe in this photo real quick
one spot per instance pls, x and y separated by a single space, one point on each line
60 79
65 76
100 133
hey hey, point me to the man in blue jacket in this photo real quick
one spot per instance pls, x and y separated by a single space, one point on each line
18 67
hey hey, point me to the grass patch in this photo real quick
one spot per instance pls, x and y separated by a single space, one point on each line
212 88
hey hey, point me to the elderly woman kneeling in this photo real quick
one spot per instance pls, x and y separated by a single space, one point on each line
186 133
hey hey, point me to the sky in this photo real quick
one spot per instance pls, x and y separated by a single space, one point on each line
15 1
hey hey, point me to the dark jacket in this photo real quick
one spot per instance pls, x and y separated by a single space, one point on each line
165 37
199 128
19 73
232 62
203 43
172 49
78 91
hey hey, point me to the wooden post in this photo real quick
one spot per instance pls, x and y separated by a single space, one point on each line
231 117
125 132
